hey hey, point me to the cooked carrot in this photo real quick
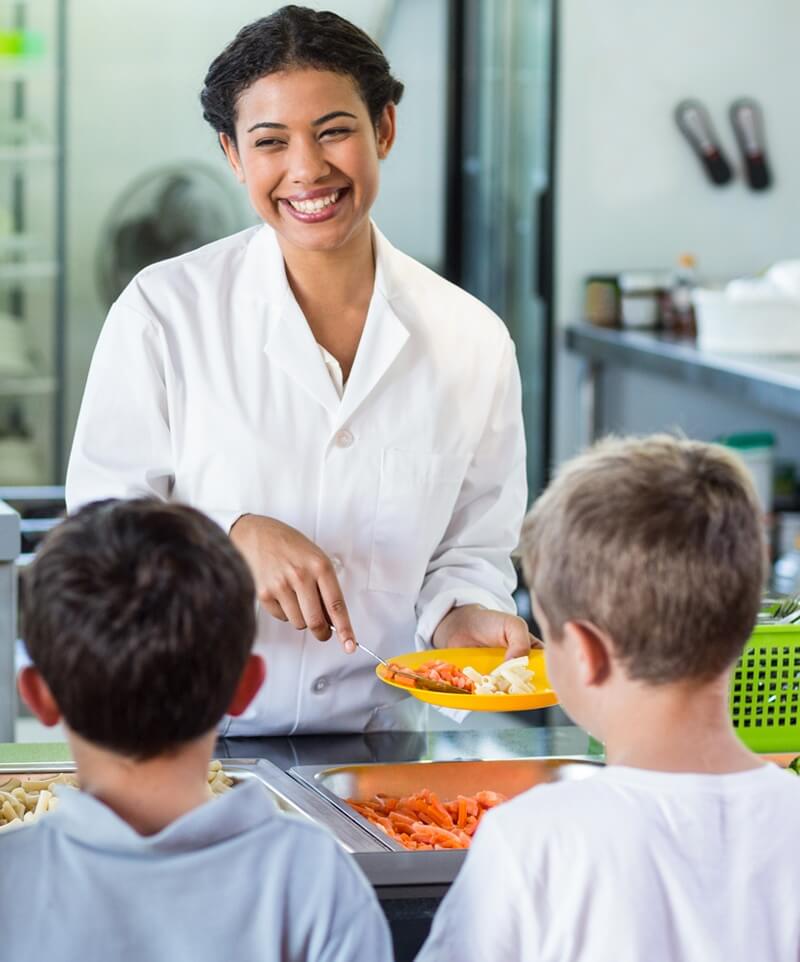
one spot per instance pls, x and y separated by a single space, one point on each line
421 822
435 670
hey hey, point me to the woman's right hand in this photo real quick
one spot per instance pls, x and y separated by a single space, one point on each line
295 580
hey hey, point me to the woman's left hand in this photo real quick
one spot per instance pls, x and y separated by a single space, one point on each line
473 626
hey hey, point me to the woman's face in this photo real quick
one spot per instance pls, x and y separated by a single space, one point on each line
308 154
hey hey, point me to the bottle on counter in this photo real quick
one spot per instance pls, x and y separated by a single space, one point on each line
679 317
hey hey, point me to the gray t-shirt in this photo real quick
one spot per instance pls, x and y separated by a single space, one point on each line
233 879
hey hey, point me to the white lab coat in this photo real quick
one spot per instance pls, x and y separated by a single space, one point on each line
207 386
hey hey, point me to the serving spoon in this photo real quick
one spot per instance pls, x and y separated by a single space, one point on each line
420 681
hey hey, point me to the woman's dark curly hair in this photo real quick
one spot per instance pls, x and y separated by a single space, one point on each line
296 37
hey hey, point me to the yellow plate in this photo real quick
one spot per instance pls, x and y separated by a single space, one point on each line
482 660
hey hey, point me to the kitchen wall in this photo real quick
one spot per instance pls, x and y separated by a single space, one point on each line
135 71
632 195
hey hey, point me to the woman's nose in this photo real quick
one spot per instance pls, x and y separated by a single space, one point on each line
307 161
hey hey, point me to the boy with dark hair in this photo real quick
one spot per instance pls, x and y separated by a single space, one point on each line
645 560
139 617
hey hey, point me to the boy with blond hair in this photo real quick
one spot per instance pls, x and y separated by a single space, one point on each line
645 560
140 620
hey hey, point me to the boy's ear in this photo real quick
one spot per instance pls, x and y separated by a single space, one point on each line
252 678
36 694
593 652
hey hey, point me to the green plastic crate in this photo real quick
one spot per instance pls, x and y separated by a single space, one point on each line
764 695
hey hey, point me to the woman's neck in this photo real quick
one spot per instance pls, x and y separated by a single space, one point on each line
334 289
148 795
336 278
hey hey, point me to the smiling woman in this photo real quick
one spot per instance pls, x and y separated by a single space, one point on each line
350 418
301 167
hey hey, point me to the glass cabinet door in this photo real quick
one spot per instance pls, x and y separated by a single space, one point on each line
505 175
31 225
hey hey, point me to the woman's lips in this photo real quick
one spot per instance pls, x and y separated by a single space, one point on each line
317 216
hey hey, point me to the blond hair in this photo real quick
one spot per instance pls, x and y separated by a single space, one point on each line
659 542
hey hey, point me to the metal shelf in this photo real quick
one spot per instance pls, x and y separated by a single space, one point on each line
24 153
28 271
27 385
771 383
14 70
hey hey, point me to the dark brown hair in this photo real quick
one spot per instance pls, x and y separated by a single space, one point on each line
296 37
657 541
140 617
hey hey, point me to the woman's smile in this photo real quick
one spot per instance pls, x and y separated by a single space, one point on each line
314 206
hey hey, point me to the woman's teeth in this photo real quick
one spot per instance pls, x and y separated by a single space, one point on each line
312 206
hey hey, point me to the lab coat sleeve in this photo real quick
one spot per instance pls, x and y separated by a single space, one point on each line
122 446
472 564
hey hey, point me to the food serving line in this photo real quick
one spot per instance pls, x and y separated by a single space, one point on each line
311 776
317 773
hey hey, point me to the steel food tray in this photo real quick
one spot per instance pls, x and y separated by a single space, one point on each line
509 776
289 796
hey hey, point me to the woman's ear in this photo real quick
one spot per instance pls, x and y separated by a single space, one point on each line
232 153
386 130
593 652
36 694
252 678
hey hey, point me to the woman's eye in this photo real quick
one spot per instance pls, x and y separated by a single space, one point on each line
335 131
269 142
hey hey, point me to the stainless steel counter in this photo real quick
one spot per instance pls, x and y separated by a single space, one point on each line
769 383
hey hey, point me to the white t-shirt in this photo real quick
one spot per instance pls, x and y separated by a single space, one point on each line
234 879
632 866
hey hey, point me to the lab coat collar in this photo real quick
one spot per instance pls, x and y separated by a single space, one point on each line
91 822
291 345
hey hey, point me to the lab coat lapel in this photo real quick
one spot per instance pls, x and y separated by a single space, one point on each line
290 344
383 336
292 347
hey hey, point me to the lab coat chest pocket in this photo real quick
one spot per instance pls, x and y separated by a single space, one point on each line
416 497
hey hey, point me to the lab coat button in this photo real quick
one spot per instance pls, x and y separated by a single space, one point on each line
343 439
336 561
320 685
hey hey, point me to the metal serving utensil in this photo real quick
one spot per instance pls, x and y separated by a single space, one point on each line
420 681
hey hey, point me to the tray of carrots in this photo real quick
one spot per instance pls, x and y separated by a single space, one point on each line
449 664
423 822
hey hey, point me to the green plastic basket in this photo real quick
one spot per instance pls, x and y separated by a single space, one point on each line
764 696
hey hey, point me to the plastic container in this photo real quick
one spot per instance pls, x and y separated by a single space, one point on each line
764 694
640 298
601 300
741 327
757 450
788 531
786 573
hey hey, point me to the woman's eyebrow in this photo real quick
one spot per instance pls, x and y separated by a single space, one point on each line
265 123
314 123
334 113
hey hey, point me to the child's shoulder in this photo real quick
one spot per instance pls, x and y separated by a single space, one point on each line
561 809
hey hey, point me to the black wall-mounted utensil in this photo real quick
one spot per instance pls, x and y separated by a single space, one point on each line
748 125
695 124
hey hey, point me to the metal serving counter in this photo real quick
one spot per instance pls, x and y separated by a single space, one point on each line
410 885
